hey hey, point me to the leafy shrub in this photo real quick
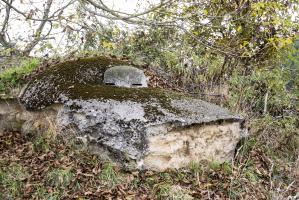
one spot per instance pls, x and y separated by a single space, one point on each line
41 144
279 136
264 90
268 88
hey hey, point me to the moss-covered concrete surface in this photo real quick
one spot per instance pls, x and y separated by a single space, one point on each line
46 87
83 79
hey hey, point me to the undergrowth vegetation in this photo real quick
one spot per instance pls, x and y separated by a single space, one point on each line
13 77
67 171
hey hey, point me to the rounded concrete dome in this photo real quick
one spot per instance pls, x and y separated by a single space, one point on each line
125 76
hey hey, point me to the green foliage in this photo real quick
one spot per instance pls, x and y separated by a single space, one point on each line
246 145
195 167
279 136
162 190
42 193
41 144
251 175
171 192
242 28
215 166
264 89
227 168
12 77
261 84
109 175
11 178
60 178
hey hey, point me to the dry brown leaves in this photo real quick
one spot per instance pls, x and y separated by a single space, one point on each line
250 176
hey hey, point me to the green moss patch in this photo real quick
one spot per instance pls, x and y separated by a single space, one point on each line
86 92
83 79
139 95
66 71
46 87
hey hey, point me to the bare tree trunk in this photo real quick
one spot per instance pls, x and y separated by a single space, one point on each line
3 40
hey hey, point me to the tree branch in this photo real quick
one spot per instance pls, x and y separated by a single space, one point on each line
129 20
4 42
61 9
38 32
126 16
134 19
7 14
9 4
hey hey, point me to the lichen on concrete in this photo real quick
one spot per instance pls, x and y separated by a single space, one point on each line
125 124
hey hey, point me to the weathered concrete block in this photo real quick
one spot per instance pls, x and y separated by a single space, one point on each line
177 147
164 131
14 117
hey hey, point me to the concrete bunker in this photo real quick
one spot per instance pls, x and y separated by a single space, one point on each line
132 124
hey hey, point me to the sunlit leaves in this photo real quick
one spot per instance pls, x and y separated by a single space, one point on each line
239 28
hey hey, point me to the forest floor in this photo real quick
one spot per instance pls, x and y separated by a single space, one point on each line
43 168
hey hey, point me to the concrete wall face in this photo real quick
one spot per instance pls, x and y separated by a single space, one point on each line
144 146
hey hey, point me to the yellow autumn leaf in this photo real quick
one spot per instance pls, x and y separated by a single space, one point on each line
108 45
239 29
196 33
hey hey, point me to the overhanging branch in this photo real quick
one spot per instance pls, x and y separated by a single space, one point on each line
38 32
123 15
